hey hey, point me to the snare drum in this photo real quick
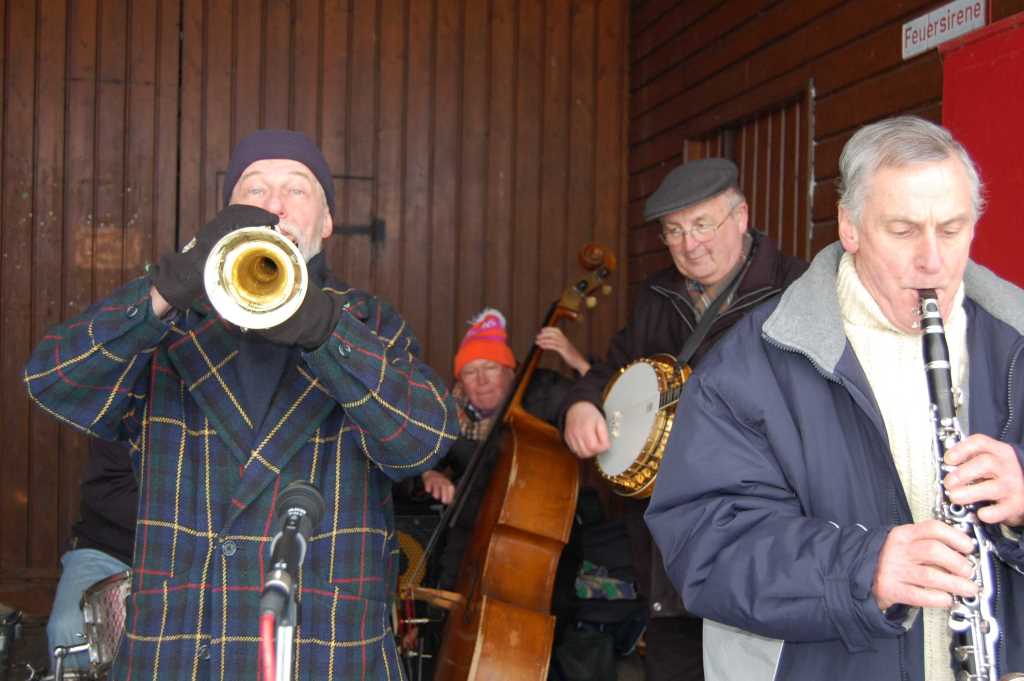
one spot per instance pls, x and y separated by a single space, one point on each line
103 609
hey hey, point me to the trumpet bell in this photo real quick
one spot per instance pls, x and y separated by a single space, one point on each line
255 277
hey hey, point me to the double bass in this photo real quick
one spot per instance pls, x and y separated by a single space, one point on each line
499 624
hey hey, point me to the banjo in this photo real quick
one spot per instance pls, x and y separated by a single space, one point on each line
640 407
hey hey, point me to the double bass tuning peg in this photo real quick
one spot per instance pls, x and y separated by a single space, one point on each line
591 301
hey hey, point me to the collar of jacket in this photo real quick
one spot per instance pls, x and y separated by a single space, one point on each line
809 322
757 284
204 354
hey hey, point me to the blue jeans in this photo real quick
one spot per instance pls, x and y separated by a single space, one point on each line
81 569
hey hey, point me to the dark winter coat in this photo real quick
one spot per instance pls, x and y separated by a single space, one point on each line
778 490
348 417
661 320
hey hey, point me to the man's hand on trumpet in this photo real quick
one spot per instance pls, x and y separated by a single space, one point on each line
310 325
178 279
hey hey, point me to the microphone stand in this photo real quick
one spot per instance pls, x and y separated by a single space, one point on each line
279 592
284 639
303 506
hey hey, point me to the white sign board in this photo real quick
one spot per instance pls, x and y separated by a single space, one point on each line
945 23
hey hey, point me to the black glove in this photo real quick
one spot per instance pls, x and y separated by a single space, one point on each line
179 276
311 324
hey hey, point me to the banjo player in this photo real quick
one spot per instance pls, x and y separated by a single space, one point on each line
704 223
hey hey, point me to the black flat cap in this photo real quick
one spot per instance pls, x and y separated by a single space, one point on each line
691 183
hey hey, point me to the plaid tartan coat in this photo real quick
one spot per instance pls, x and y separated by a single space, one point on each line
350 417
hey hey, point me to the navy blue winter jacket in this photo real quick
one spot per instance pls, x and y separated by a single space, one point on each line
778 489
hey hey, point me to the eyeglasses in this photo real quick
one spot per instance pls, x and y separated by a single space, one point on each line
700 231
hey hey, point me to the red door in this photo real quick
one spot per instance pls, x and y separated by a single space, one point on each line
983 105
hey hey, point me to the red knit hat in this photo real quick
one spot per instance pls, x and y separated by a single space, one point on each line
486 339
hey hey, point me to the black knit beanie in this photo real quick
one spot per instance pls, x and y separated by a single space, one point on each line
289 144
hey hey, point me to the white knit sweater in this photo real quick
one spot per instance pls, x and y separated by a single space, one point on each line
894 365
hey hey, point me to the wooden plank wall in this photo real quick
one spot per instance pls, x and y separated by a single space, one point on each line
699 65
488 135
87 164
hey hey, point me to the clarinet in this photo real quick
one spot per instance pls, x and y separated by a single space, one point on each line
974 626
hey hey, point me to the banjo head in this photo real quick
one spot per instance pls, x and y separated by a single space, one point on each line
639 408
631 408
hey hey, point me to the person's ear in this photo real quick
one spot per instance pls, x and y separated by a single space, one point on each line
327 229
849 234
742 216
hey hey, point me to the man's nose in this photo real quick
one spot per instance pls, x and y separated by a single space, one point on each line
928 256
274 204
691 242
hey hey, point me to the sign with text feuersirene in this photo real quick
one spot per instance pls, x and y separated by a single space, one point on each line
942 24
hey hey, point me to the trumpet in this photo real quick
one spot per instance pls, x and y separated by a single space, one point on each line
255 277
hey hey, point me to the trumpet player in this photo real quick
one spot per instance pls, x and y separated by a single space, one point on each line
797 504
220 419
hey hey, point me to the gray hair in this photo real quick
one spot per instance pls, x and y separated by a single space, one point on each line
735 194
895 143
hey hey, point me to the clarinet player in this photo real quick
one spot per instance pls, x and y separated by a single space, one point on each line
800 503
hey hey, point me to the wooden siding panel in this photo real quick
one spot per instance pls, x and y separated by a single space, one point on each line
307 67
526 230
725 56
555 161
167 180
776 169
110 143
84 161
609 142
669 27
840 24
444 183
360 149
501 211
792 148
53 494
275 50
80 181
704 36
391 105
334 116
913 84
473 142
581 136
471 295
415 301
643 14
248 83
216 141
780 67
849 53
190 155
489 136
16 276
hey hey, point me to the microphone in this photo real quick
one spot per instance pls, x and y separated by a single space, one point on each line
299 510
